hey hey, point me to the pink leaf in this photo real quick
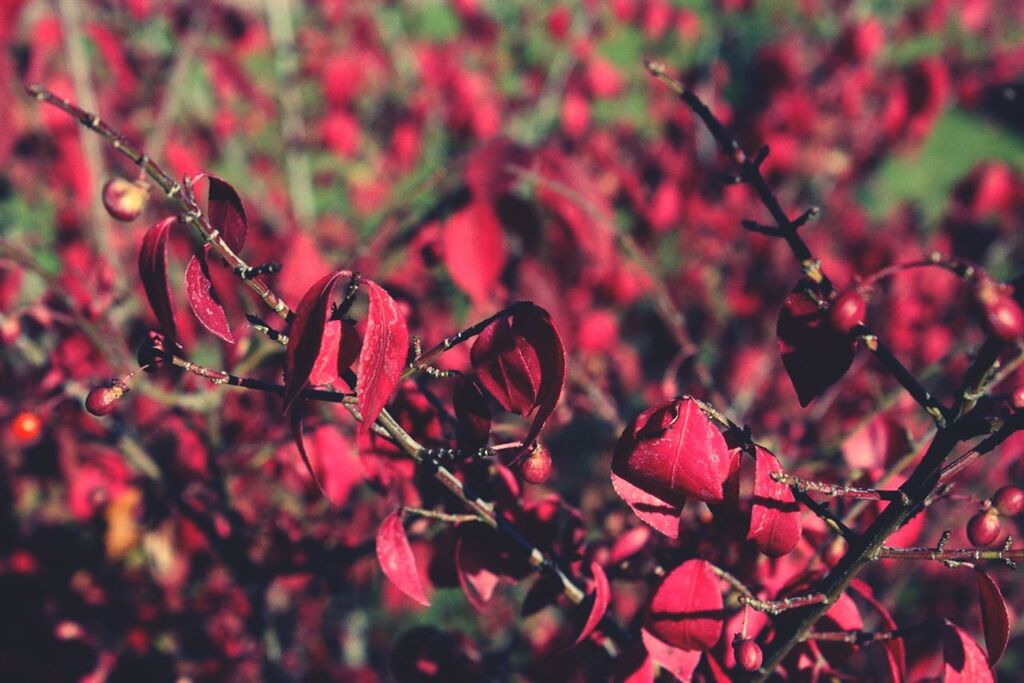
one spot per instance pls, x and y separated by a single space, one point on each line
474 250
598 602
660 515
203 299
474 555
325 367
775 515
520 360
305 336
383 355
396 558
686 610
226 213
677 661
896 651
963 660
487 173
672 451
153 272
815 354
995 619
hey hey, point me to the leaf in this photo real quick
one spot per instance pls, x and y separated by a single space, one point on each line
396 558
686 610
226 213
472 413
486 171
963 660
295 422
203 299
474 564
659 514
995 619
672 451
305 336
634 665
474 250
325 367
153 272
815 354
383 355
896 650
775 515
520 360
598 602
677 661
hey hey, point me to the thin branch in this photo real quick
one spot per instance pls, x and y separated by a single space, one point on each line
954 557
440 516
907 380
774 607
838 490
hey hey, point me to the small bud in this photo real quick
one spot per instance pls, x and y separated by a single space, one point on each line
537 467
125 199
848 311
983 529
101 399
1003 316
748 654
1009 501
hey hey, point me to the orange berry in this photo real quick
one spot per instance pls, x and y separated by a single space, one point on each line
26 427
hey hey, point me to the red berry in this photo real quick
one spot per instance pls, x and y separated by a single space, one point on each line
101 399
848 310
537 467
125 199
26 427
983 529
1003 315
748 654
1009 501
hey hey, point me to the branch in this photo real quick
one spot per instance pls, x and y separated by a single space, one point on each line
838 490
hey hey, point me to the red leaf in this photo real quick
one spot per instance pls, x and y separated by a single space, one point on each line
963 660
672 451
659 514
474 555
396 558
203 299
775 515
325 367
686 610
382 358
487 173
305 336
226 213
153 271
472 413
598 602
815 354
295 423
474 250
634 666
520 360
995 619
678 662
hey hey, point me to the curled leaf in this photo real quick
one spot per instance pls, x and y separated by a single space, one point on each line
520 360
672 451
383 354
472 413
474 563
226 213
153 272
397 560
203 299
814 352
598 602
775 515
686 610
306 335
995 619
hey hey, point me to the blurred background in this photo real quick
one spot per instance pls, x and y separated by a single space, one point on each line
466 153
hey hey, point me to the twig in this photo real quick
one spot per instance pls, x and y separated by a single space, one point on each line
838 490
955 557
440 516
906 379
774 607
